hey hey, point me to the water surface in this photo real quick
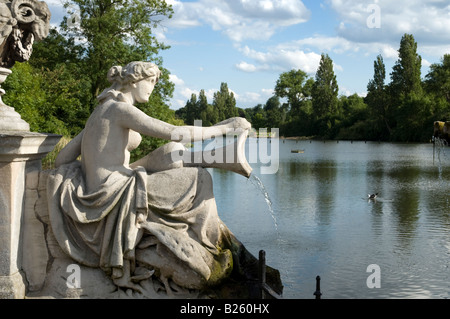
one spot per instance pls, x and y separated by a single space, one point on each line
320 221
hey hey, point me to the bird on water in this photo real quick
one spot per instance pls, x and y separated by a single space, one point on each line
372 196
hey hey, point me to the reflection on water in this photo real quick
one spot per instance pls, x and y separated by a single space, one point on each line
325 224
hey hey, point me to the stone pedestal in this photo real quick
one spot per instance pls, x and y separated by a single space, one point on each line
21 152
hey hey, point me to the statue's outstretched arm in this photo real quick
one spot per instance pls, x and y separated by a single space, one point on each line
135 119
71 151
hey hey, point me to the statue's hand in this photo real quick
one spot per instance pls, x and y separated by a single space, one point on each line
242 123
236 123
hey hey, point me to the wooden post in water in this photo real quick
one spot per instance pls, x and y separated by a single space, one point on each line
262 273
317 293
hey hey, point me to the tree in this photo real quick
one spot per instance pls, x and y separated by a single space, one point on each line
191 110
274 112
257 117
208 115
353 121
225 103
60 101
325 95
377 100
411 108
295 86
406 74
116 33
56 50
46 100
438 79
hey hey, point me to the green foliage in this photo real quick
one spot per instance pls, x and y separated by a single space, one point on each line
225 103
257 117
438 79
38 99
325 90
405 77
378 102
296 87
222 108
116 33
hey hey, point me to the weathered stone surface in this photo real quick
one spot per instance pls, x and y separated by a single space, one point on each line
35 256
21 23
241 283
12 286
20 152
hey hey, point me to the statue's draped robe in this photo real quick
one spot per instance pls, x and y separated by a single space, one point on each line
103 228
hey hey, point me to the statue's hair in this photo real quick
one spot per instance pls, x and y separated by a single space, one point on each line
133 72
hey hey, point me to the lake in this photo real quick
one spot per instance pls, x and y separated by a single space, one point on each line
321 221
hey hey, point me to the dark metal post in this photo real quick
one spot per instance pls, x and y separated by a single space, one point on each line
262 272
317 293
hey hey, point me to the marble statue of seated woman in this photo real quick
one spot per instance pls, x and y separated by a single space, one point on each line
153 218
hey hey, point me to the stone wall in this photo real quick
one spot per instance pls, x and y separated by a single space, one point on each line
21 153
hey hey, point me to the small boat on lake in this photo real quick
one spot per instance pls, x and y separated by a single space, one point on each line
298 151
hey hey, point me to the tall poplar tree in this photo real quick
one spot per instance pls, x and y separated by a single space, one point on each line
407 70
225 103
377 99
411 107
325 94
208 116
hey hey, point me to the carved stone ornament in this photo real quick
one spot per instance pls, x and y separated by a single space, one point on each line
21 23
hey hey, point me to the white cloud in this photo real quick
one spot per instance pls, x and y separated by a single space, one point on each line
253 98
427 20
341 45
388 51
281 59
240 19
176 80
246 67
426 63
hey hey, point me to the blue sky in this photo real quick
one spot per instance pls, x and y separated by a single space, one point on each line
249 43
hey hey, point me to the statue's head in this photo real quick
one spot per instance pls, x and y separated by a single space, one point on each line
122 78
133 72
